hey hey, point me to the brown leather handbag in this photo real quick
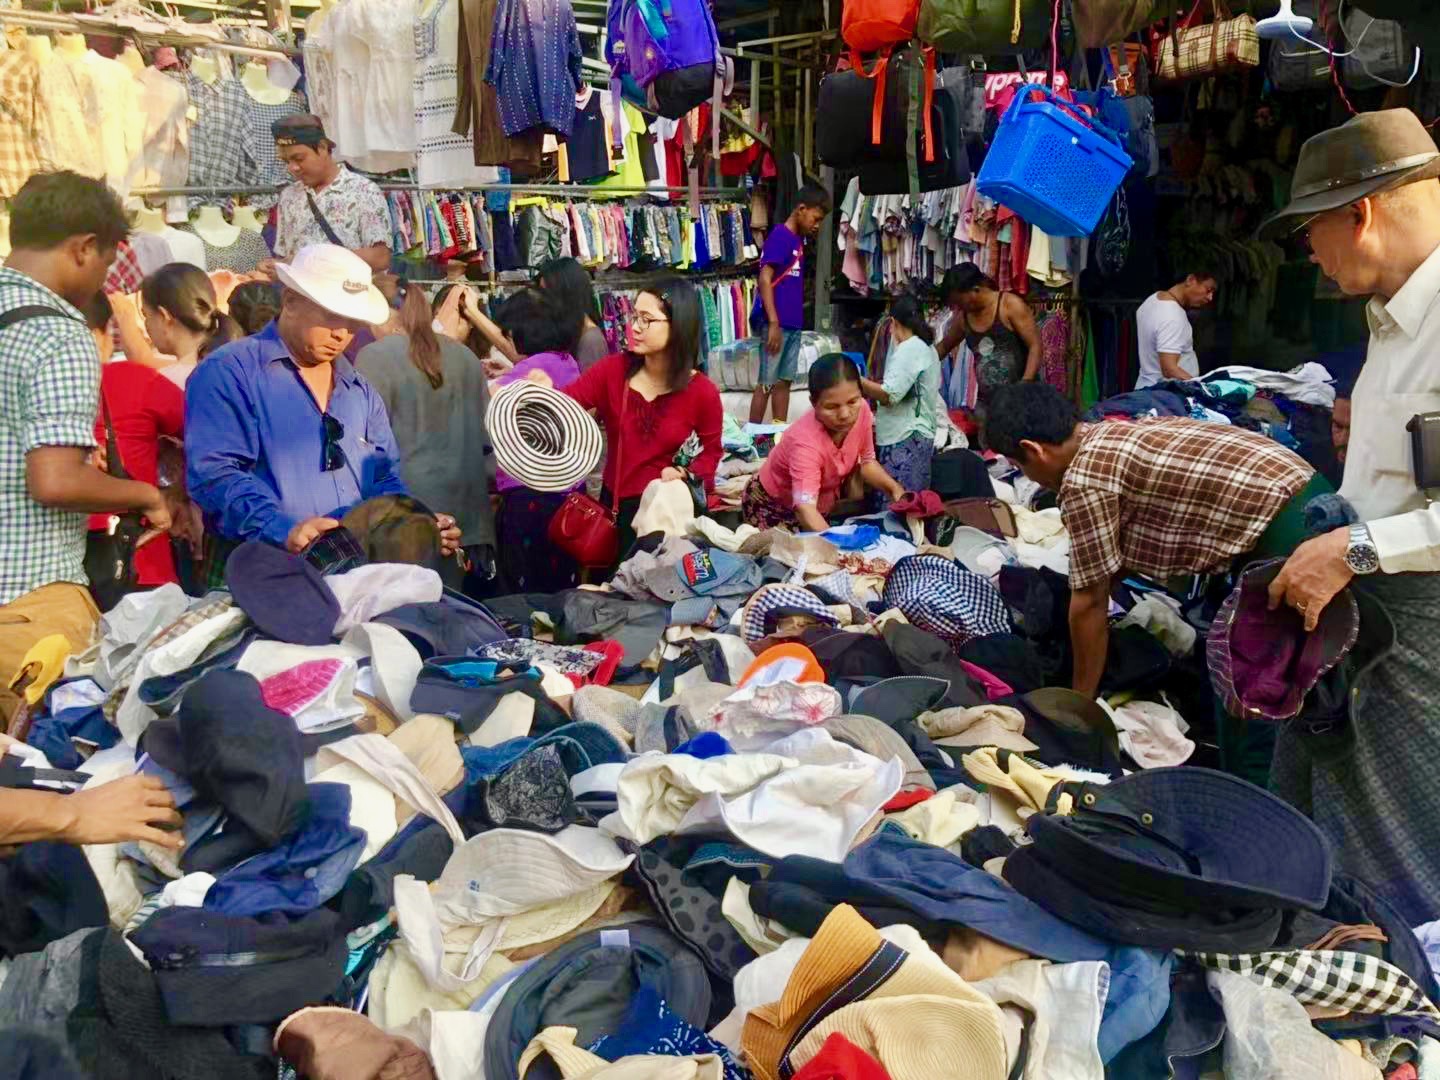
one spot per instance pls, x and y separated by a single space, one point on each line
988 515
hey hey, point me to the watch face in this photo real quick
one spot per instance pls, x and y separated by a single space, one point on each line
1363 559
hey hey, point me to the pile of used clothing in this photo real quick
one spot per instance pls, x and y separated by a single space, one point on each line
762 805
1291 407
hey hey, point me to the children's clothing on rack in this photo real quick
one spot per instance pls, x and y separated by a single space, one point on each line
890 241
602 234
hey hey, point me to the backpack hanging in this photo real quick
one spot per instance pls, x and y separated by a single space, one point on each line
1380 54
1100 22
871 25
885 95
1295 64
668 53
987 27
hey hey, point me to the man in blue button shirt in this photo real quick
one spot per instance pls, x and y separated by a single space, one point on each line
282 435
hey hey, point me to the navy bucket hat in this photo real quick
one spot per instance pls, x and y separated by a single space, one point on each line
1195 839
282 593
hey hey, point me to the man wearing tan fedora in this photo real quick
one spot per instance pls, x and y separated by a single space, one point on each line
1367 198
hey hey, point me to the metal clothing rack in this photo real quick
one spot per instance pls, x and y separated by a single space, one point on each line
710 194
624 282
68 24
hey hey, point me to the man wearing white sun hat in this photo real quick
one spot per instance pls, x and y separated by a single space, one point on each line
283 435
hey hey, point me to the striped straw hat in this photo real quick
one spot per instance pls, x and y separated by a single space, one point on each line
543 438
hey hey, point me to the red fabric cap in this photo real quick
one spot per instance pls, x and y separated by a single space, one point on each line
903 800
840 1059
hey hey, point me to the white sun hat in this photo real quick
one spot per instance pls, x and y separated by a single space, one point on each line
337 280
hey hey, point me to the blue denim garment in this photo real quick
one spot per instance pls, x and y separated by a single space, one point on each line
255 442
1138 999
303 871
53 734
482 762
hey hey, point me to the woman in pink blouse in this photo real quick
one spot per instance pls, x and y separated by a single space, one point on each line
825 451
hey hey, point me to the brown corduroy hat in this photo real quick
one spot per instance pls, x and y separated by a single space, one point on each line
1368 154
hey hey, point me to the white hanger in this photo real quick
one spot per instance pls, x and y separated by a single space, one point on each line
1284 23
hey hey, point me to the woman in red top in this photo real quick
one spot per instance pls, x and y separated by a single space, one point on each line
144 407
653 404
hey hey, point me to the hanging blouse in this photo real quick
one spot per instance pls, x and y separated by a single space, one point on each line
262 163
375 54
442 156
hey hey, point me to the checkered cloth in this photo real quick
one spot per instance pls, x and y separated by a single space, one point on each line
1332 978
202 610
335 552
49 396
262 166
19 120
945 599
1170 497
222 116
125 275
772 601
1224 45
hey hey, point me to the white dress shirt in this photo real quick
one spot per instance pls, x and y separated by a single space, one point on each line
1401 377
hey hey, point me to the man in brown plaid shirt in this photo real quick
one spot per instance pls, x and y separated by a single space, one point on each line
1162 497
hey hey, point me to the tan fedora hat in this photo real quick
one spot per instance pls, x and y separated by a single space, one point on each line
1368 154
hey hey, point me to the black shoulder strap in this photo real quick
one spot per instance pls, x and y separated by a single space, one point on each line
321 220
30 311
39 311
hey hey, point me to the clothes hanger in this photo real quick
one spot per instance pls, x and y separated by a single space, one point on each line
205 68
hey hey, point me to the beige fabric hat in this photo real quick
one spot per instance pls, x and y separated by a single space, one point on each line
900 998
337 280
983 725
920 1036
577 1063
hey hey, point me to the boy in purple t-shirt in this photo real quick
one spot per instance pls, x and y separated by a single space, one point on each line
779 313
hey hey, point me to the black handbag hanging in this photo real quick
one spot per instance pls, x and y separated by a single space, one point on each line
110 552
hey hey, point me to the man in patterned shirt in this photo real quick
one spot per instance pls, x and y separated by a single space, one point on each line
1162 498
328 203
64 229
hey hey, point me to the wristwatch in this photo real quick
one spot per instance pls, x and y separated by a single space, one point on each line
1361 556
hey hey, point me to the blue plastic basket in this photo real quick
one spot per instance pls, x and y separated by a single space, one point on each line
1056 172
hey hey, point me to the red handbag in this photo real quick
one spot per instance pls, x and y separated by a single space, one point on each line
586 529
